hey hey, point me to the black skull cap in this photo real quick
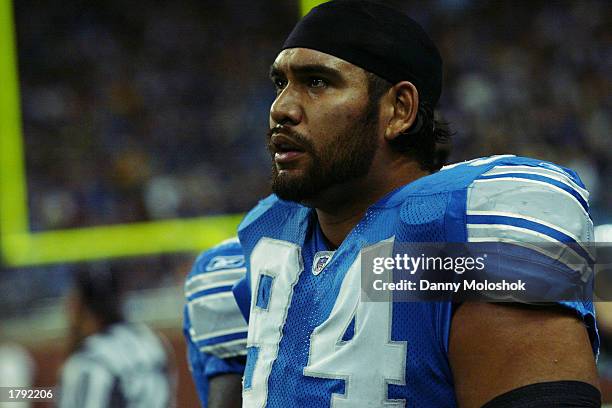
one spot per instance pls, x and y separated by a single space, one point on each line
375 37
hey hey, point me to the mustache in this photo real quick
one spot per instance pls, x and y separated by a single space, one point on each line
296 137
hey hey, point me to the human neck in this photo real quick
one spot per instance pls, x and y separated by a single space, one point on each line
87 326
343 206
91 326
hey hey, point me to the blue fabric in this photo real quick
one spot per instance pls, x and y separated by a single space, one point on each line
221 339
264 290
197 365
548 277
205 366
430 209
242 293
252 353
350 331
520 222
530 225
210 291
217 366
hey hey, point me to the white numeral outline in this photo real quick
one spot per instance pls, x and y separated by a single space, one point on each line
368 362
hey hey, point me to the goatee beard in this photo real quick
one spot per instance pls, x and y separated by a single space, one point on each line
348 157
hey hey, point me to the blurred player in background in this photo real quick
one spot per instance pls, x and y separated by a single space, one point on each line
214 328
112 363
356 160
17 369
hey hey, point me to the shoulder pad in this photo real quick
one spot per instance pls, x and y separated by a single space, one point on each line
535 199
226 255
212 318
256 212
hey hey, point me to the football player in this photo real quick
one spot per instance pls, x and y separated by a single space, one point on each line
355 163
214 329
113 362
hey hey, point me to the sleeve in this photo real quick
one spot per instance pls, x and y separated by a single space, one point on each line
528 204
242 294
204 366
197 363
214 328
86 384
543 207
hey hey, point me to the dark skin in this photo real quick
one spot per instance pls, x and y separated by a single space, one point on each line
225 391
493 348
82 322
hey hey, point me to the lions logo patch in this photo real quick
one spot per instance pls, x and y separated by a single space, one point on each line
320 261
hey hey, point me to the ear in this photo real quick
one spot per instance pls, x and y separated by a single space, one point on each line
405 107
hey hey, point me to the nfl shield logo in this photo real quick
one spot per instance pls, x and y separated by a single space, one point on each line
320 261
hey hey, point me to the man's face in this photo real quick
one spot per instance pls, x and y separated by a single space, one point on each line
329 129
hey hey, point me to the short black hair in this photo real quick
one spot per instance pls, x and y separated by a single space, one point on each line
100 292
428 141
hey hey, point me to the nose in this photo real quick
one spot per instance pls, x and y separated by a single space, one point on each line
286 108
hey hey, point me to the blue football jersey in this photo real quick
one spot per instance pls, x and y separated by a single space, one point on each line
214 328
313 343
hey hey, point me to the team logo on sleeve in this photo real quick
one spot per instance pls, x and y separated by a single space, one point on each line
320 261
225 262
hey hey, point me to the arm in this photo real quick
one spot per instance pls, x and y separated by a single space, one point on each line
496 348
225 391
218 381
225 381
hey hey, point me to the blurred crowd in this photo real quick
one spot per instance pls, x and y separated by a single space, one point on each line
137 112
141 111
532 79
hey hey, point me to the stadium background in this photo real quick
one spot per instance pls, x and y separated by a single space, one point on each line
134 136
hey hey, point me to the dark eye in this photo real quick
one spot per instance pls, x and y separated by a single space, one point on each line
317 83
279 83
